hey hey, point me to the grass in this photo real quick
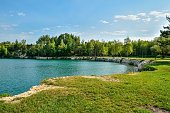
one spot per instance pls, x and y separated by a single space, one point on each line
4 95
136 93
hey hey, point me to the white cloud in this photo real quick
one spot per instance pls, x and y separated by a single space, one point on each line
26 34
127 17
104 21
144 16
141 14
59 26
8 26
147 19
63 26
30 33
46 29
149 38
159 14
143 30
76 33
13 36
21 14
156 20
116 33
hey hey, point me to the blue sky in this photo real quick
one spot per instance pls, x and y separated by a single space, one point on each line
97 19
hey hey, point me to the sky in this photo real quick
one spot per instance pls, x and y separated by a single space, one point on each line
90 19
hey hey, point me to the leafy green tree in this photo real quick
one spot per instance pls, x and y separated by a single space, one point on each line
104 50
70 45
90 48
156 50
62 48
97 47
43 40
128 47
119 47
23 47
144 46
3 51
112 49
50 48
32 51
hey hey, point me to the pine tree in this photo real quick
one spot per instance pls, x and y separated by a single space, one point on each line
164 40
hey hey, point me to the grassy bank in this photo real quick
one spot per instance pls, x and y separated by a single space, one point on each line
137 92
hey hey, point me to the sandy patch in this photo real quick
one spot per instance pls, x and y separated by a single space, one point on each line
132 73
33 90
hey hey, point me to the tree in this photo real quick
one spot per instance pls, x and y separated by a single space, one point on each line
166 32
50 48
164 40
119 47
97 47
23 47
31 52
90 48
3 51
43 40
144 45
104 50
62 48
156 49
113 48
128 47
70 45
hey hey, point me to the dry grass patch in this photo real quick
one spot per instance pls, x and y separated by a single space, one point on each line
103 78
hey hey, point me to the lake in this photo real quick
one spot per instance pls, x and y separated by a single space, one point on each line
19 75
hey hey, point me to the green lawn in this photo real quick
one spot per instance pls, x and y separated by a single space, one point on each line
138 92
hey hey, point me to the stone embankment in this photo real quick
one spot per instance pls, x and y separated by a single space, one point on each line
138 63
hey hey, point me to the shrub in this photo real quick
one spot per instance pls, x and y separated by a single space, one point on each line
148 68
131 63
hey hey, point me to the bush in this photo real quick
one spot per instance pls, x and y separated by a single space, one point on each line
148 68
131 63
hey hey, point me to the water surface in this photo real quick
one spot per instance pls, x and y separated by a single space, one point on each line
19 75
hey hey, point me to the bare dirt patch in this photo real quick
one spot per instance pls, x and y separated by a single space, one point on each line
103 78
158 110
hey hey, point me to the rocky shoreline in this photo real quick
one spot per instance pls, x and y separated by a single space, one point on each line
137 63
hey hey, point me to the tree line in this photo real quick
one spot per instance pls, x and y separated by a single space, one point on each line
71 45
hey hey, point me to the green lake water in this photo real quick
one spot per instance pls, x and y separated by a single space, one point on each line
19 75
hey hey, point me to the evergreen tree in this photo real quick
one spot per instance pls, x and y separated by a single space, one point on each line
164 40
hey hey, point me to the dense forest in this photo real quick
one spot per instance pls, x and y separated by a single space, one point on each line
70 45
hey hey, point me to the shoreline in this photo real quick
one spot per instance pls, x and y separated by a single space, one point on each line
137 63
42 86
